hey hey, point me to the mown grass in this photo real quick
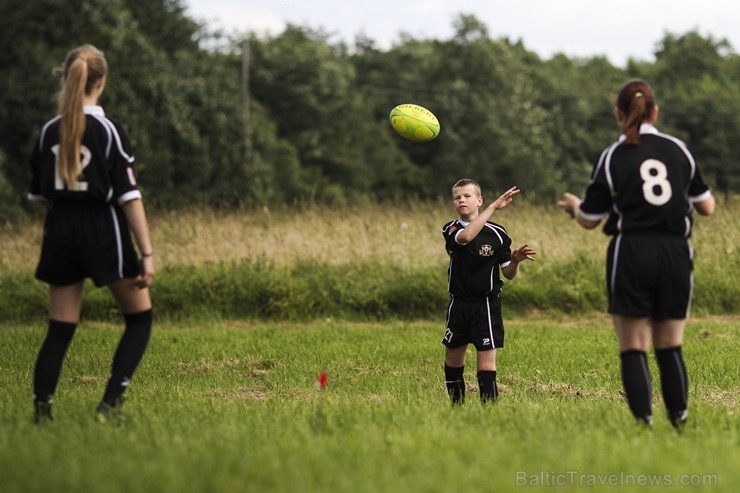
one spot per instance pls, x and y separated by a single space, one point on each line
232 406
365 263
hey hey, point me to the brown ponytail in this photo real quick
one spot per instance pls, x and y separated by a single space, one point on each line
83 68
635 102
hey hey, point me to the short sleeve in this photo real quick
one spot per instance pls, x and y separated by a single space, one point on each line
123 175
598 198
450 232
505 251
698 190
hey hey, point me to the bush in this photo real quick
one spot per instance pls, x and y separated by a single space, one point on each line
257 289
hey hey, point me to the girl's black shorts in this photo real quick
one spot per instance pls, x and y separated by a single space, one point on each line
86 240
650 275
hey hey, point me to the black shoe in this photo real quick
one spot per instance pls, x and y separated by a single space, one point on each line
110 412
679 419
42 412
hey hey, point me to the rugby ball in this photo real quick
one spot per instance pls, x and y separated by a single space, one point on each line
414 122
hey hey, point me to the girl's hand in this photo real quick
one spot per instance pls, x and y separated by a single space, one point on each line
570 204
144 280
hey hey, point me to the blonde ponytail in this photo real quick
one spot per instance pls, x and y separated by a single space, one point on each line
83 69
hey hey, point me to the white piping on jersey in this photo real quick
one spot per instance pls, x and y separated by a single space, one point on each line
606 156
681 145
44 129
700 198
610 182
132 195
98 113
495 229
119 246
592 217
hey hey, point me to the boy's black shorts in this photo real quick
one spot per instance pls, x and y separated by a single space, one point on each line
474 322
84 240
650 275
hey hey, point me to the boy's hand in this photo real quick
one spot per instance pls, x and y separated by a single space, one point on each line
506 198
523 253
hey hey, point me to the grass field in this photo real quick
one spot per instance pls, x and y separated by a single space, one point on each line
232 406
252 305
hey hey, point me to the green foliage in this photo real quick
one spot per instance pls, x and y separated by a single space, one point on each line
318 128
257 289
696 81
232 407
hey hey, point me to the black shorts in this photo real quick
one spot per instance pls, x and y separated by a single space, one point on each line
84 240
477 322
650 275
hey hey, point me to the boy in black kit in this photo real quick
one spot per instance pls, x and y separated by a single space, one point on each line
476 248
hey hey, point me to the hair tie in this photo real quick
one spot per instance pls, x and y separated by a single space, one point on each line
638 94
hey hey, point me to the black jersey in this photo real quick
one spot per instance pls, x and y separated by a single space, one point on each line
106 160
473 272
650 187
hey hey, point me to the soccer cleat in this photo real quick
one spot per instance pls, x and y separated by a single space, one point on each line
110 412
679 419
42 412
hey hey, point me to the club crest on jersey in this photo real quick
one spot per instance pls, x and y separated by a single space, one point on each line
485 251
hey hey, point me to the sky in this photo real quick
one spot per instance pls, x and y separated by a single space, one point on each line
617 29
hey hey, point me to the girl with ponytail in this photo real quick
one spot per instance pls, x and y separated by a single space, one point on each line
82 167
646 185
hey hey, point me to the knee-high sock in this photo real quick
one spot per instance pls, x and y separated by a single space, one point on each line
674 382
455 383
487 385
128 355
636 379
50 359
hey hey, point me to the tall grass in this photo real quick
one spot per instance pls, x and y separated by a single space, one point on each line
375 260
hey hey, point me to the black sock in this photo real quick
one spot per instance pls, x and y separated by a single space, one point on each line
674 382
487 384
636 379
455 384
128 355
50 359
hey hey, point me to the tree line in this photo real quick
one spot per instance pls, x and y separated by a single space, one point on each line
315 125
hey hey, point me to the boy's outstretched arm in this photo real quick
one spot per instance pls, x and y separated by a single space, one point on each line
471 231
